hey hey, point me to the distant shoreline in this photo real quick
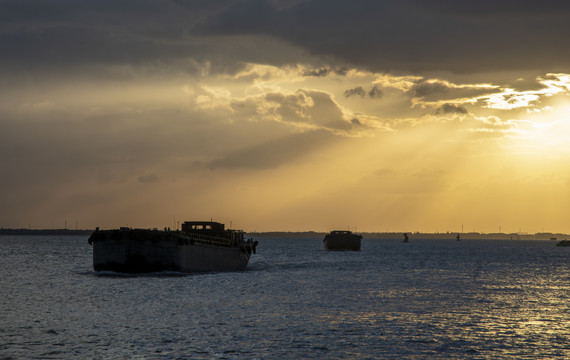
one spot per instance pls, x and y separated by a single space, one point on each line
417 235
58 232
317 234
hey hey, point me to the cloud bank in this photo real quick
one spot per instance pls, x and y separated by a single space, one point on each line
403 110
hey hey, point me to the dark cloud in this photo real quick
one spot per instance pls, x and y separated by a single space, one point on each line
451 109
500 8
342 71
413 35
410 35
64 33
306 107
356 122
137 15
435 90
243 17
317 72
356 91
375 92
326 71
424 88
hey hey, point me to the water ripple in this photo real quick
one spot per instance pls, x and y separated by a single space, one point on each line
433 299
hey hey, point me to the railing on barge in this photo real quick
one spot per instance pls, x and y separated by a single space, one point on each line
211 240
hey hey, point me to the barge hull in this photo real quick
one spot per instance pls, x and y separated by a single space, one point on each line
342 240
343 244
155 251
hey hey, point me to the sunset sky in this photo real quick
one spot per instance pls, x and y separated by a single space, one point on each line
374 115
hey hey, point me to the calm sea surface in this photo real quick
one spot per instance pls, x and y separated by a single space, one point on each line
427 299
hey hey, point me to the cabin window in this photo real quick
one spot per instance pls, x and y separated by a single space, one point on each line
201 227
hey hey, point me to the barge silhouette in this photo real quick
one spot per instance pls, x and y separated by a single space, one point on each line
342 240
200 246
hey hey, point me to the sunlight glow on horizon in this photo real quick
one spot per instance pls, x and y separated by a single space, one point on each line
242 148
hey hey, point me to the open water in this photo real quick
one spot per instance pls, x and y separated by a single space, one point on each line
426 299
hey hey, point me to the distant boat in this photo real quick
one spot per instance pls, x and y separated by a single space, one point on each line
563 243
342 240
199 247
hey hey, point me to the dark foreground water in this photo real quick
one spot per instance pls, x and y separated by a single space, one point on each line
427 299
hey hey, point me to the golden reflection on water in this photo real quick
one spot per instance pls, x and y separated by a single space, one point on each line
506 313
